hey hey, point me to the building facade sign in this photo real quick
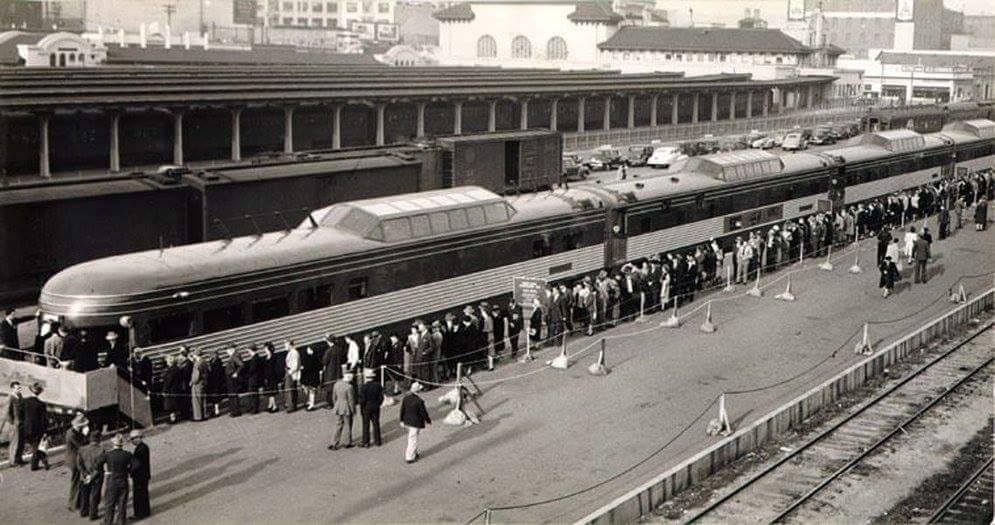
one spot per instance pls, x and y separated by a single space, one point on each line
796 9
244 11
904 10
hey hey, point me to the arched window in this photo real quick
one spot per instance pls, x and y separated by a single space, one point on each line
521 47
556 49
486 47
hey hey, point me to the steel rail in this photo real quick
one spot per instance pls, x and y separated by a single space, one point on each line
829 431
961 491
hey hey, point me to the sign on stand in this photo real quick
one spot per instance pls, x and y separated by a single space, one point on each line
526 291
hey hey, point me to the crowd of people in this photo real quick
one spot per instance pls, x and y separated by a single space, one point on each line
96 473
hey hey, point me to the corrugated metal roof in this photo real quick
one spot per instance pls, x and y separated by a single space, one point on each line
706 39
455 13
595 12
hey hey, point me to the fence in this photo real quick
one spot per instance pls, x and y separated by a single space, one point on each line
688 131
641 501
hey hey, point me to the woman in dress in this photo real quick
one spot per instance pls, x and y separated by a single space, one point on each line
172 389
310 374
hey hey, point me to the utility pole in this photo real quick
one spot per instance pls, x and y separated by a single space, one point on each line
169 9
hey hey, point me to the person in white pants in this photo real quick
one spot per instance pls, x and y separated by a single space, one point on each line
414 417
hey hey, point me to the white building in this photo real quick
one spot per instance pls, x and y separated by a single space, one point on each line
930 76
328 13
50 50
550 33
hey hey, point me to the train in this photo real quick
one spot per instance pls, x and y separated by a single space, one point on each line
928 118
354 266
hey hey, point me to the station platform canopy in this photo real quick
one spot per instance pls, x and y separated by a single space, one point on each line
981 128
737 165
893 140
411 216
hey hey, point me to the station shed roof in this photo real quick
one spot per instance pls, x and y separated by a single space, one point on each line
703 39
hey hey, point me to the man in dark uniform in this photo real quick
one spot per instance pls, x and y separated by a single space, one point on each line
140 475
119 464
75 440
370 400
35 424
88 462
15 418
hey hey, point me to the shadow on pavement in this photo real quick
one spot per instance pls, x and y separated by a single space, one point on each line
224 481
186 465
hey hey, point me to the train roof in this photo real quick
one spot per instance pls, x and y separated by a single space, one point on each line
977 128
893 140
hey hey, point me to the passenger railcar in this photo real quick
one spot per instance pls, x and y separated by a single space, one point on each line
925 118
373 263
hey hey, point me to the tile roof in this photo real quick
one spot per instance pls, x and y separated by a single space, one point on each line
709 39
595 12
455 13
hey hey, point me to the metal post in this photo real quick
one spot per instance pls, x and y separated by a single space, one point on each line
715 106
552 113
115 159
524 115
656 101
236 134
695 108
674 109
43 165
178 138
492 117
288 130
420 132
337 127
381 111
580 114
632 112
606 123
732 106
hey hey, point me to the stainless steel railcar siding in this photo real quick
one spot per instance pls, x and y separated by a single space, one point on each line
392 307
868 190
979 163
653 243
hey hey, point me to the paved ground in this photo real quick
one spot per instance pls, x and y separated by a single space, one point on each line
544 435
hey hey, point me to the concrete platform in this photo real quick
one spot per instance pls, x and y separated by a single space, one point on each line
546 433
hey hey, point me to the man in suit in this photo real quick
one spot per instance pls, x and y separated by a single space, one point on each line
370 400
920 254
35 424
117 352
119 464
15 418
233 381
140 474
414 417
75 440
344 401
8 334
60 350
88 462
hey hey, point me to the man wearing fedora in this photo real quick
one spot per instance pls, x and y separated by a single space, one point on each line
15 418
370 401
119 464
343 404
35 425
116 351
91 486
140 474
75 440
414 417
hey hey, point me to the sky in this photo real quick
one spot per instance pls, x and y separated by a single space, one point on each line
774 11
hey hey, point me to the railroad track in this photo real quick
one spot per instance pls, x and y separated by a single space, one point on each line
972 503
794 481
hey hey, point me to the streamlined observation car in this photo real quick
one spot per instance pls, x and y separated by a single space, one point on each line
374 263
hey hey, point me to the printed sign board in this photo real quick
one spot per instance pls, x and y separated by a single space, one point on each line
527 289
796 9
904 10
244 11
365 30
388 33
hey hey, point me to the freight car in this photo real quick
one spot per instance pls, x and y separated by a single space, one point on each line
378 262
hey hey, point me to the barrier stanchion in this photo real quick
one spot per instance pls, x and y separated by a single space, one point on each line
388 400
599 368
721 424
707 326
756 291
729 287
828 265
864 346
959 296
856 262
561 362
456 417
642 308
673 321
801 251
787 295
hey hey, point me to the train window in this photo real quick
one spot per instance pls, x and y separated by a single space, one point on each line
222 318
397 229
317 297
476 216
169 327
496 212
571 241
540 247
420 226
645 224
358 288
270 309
457 219
440 222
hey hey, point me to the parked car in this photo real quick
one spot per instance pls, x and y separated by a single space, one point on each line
604 158
637 155
573 168
778 140
763 143
822 135
794 142
665 157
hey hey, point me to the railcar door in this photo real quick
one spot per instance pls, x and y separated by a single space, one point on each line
615 242
837 190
